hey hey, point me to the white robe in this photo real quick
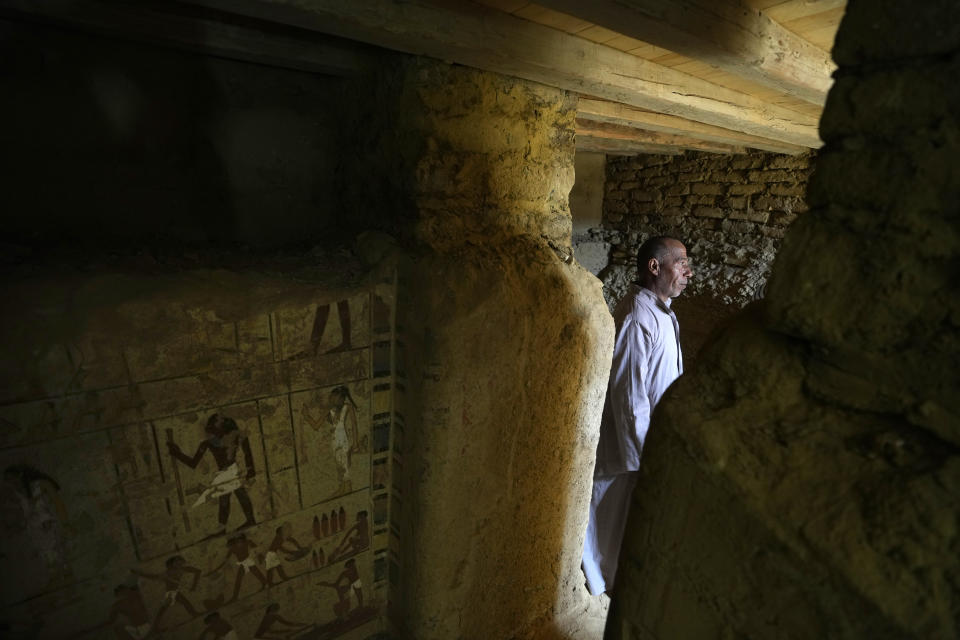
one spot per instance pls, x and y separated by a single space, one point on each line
646 360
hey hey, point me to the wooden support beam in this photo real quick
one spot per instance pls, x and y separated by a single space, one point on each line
623 147
723 33
796 9
484 38
146 23
619 114
594 129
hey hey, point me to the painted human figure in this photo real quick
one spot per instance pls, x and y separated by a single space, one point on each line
271 617
347 581
217 628
283 543
44 517
172 578
130 607
342 417
320 325
223 441
238 547
355 540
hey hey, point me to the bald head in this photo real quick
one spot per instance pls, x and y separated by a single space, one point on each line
663 267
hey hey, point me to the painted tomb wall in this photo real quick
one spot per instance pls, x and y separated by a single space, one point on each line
187 460
507 338
182 437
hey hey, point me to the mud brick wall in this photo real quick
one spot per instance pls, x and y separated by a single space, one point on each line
731 211
224 436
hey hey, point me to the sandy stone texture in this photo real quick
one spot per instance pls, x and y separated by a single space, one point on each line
510 341
803 480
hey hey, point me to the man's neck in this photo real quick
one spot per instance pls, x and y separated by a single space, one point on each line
649 287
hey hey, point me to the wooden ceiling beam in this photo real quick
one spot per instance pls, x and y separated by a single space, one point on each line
201 35
594 129
723 33
484 38
619 114
623 147
796 9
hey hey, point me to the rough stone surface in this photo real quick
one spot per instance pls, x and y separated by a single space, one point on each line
803 480
731 211
509 342
731 262
593 256
504 458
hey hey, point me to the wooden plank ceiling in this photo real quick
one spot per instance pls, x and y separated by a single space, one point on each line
654 76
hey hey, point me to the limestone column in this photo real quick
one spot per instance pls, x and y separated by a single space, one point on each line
509 344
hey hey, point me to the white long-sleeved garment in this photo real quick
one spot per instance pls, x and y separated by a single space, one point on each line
646 360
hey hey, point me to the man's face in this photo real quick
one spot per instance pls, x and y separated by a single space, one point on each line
673 271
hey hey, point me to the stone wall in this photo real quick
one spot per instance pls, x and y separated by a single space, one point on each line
158 204
803 481
730 210
117 491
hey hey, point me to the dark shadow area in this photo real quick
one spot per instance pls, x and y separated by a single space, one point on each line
124 148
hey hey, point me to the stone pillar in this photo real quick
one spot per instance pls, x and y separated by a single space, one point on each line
803 481
509 342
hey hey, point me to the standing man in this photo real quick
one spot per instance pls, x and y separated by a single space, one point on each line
646 360
224 439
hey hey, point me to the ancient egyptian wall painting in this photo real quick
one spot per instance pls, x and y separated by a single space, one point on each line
252 501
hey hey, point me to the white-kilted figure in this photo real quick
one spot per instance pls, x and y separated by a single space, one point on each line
646 360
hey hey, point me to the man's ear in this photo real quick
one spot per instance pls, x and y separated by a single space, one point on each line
653 266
